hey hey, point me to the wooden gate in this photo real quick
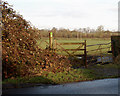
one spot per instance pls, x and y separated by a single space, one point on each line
54 44
81 47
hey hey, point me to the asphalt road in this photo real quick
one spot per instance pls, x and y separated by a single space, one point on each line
104 86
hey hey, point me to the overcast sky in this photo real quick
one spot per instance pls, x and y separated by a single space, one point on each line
72 14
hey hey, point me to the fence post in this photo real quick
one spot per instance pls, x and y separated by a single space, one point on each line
85 53
55 46
50 40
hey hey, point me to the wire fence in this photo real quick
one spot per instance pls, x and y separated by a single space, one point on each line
101 54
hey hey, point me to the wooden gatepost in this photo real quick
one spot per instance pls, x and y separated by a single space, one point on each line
51 40
115 42
85 53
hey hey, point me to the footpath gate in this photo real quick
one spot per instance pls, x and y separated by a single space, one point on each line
53 45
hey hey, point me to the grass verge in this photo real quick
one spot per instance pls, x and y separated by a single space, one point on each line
74 75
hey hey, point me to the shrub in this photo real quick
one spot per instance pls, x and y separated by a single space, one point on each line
21 55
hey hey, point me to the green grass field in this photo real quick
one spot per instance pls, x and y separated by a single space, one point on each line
41 43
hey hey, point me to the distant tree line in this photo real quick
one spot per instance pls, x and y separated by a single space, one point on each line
76 33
